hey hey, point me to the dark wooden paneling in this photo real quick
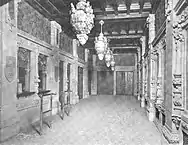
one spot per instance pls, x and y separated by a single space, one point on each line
61 76
66 43
127 59
32 22
124 83
80 82
105 82
81 52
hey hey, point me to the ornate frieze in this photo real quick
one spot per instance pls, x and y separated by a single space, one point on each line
32 22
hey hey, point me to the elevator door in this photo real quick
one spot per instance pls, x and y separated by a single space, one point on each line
80 82
124 83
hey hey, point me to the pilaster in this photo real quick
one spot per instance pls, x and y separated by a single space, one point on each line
114 92
94 77
85 75
9 119
151 87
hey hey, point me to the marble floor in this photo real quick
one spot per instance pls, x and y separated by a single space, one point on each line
98 120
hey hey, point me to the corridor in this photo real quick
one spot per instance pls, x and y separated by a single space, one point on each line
98 120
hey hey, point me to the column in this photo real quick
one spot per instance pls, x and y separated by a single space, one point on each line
65 75
135 76
9 118
159 98
85 75
151 67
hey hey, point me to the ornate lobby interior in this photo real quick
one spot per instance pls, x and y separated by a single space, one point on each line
98 60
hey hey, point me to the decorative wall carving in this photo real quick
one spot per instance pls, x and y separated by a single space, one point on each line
177 92
168 9
182 21
10 68
66 43
42 60
32 22
23 57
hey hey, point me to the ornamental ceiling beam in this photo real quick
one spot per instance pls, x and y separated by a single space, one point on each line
122 16
120 36
120 47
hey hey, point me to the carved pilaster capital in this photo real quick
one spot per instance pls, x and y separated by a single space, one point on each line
184 126
150 19
182 21
176 120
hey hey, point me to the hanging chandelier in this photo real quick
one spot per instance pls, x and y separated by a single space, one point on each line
82 19
101 43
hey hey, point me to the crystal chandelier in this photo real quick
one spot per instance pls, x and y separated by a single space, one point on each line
82 19
101 43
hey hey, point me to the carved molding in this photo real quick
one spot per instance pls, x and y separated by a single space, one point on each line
168 9
184 126
171 137
176 120
182 21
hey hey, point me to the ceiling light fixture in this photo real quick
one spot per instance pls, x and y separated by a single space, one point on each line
82 19
101 43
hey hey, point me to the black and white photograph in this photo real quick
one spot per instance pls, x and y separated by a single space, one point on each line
93 72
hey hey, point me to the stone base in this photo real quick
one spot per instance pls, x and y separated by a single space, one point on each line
151 114
75 100
142 102
172 138
138 96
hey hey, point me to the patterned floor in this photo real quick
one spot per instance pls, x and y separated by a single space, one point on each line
98 120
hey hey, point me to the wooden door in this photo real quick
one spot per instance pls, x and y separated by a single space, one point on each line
105 82
61 76
124 83
80 82
120 83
